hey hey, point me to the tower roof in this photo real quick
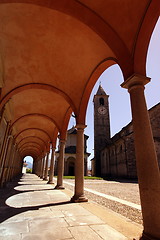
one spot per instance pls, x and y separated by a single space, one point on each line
100 91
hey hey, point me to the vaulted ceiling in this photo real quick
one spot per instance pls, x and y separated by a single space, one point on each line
52 53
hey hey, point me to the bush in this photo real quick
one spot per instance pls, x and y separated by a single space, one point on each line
28 170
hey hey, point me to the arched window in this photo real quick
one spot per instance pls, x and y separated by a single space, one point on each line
121 148
101 101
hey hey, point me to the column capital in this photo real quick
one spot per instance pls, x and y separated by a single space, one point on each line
80 126
134 81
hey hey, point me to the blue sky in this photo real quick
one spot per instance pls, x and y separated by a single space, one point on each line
119 102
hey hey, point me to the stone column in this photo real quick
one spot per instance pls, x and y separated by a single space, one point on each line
4 148
37 166
10 162
10 176
39 163
46 168
14 163
146 159
6 159
60 165
34 166
36 162
2 115
42 167
51 171
79 166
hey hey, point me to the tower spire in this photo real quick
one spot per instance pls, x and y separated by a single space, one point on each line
101 91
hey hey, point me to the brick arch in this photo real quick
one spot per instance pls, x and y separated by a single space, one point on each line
33 142
42 86
93 21
23 139
29 147
30 144
35 114
29 153
38 129
144 36
33 156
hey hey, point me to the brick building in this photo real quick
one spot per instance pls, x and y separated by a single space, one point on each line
117 158
70 153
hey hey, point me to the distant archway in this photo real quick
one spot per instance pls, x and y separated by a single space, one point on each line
71 169
27 164
70 166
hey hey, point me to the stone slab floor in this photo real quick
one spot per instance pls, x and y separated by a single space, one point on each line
31 209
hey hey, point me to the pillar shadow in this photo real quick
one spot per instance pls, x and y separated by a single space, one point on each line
9 190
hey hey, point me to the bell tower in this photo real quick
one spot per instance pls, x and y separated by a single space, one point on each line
101 126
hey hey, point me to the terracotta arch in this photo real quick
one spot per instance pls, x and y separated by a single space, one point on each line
25 145
100 68
37 129
144 36
36 143
29 147
35 114
28 86
41 130
92 20
33 156
32 137
29 153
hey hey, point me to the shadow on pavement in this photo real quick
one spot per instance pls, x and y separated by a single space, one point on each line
7 211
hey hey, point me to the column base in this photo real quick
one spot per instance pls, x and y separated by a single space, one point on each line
45 179
59 187
50 182
77 199
148 237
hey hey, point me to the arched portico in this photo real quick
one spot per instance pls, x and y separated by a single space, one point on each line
48 68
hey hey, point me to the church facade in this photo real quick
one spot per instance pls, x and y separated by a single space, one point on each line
115 156
70 154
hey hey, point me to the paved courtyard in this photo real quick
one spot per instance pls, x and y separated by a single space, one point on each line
120 196
31 209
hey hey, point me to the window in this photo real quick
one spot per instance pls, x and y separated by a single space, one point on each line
101 101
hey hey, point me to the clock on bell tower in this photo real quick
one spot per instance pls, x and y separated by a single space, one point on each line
101 126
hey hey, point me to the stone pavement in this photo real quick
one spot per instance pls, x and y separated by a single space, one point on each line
120 196
115 199
31 209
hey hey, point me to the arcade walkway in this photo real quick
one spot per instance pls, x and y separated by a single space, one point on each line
31 209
